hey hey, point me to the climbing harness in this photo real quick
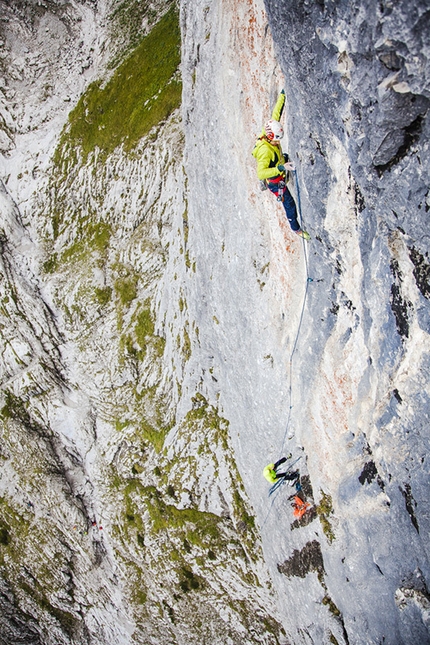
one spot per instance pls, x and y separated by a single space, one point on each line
281 186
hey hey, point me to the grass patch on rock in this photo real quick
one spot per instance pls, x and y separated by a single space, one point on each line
143 91
324 510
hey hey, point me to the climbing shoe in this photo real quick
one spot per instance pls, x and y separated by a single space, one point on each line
304 234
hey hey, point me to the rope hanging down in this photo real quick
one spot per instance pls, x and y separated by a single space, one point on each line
308 280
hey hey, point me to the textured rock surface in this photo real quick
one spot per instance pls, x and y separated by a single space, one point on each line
106 536
161 342
357 87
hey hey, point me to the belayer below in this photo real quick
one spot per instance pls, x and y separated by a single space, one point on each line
299 507
272 476
273 164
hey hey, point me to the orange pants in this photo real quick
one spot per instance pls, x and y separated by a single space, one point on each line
300 507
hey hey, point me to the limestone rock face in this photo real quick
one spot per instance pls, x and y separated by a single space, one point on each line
123 517
165 335
356 80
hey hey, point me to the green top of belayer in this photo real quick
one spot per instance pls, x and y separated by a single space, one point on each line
270 472
273 164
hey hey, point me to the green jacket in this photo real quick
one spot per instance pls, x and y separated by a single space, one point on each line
269 155
270 474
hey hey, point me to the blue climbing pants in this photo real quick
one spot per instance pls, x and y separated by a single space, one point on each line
287 202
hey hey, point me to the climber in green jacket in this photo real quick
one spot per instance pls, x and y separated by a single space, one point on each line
273 164
272 476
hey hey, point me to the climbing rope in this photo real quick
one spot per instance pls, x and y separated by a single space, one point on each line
308 281
290 389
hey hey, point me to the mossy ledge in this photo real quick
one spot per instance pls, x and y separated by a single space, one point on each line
324 510
142 92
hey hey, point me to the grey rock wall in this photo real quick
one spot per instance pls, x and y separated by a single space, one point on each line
346 384
356 79
165 335
123 518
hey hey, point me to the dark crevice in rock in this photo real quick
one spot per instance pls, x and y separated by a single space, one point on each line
317 145
397 395
410 504
358 195
379 569
303 562
411 135
359 199
306 485
421 271
400 311
369 473
399 306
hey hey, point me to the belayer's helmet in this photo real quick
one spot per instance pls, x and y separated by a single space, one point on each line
274 130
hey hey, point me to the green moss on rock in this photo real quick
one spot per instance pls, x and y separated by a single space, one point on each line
324 510
143 91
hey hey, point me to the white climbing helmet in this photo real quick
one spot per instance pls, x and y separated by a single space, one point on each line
274 130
